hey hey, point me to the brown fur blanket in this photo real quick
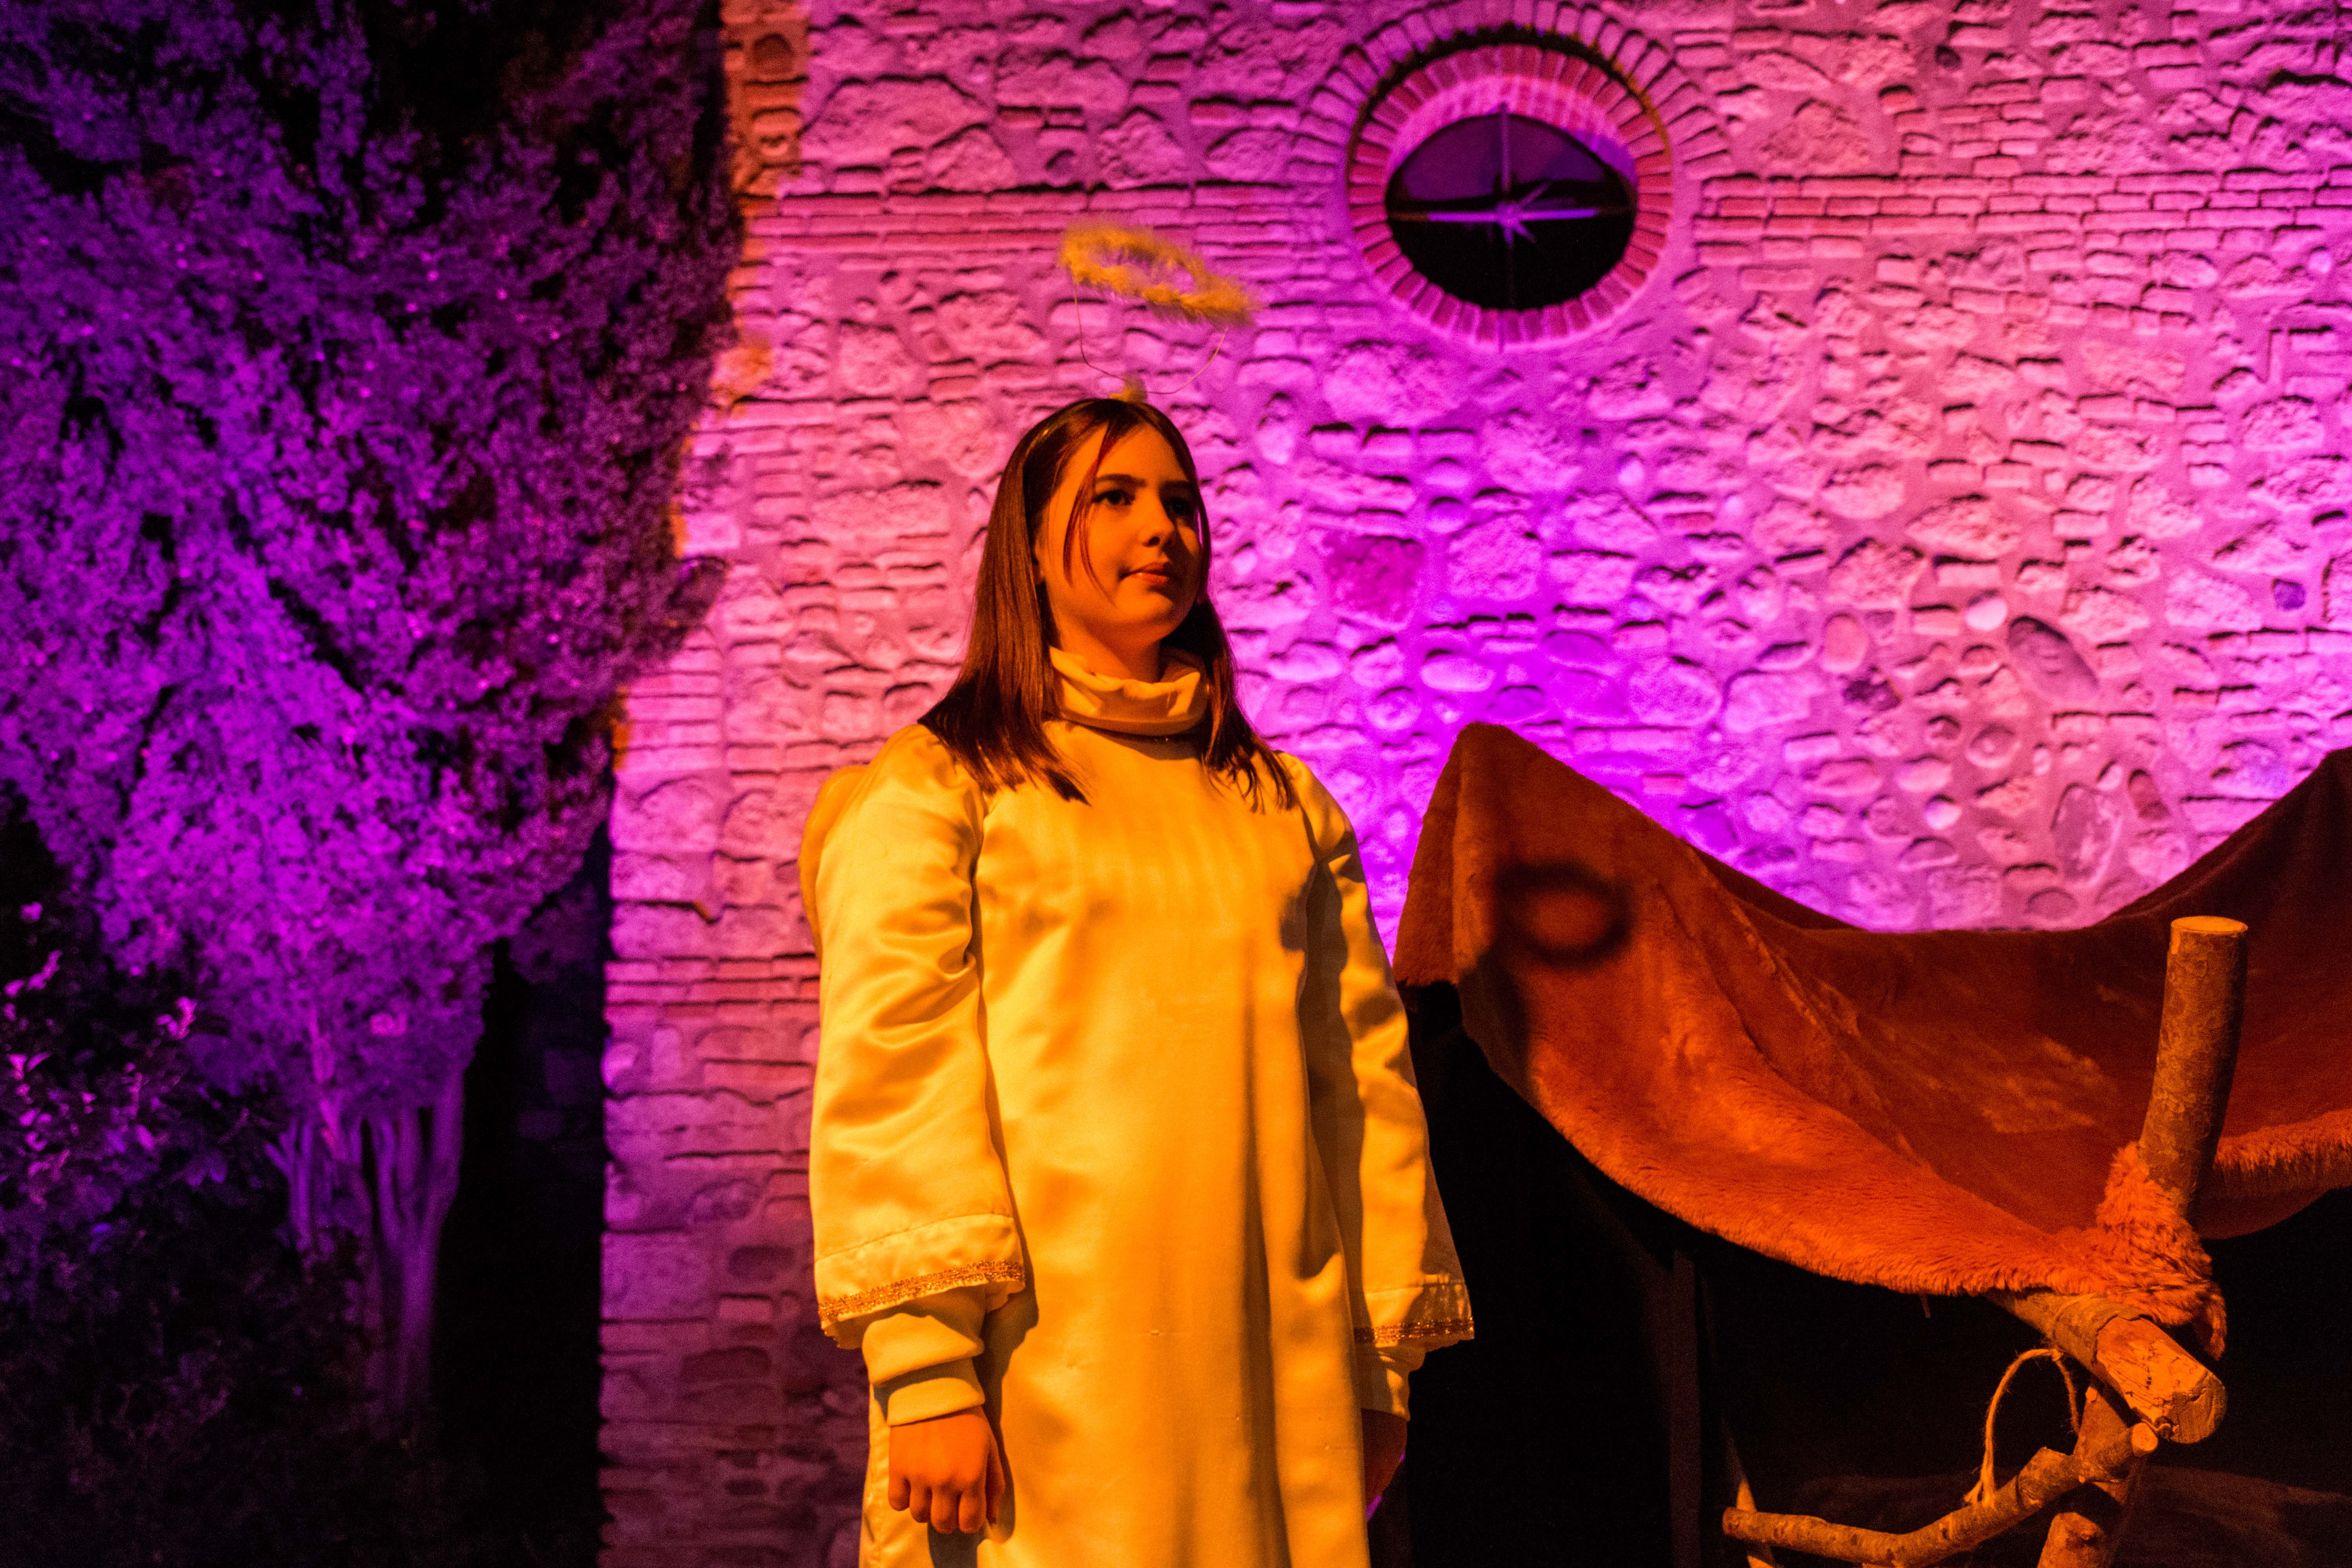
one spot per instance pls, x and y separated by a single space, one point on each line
1946 1112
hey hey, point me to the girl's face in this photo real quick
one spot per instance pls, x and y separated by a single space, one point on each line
1134 571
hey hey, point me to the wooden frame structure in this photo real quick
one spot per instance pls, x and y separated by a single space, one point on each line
2143 1388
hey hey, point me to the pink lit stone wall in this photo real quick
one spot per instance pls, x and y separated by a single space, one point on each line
1953 530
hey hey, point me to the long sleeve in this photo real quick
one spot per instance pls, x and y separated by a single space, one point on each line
1383 1375
918 1357
1369 1127
907 1184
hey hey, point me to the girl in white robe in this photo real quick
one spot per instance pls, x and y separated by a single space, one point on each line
1119 1178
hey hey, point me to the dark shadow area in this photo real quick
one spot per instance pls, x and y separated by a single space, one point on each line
2289 1362
1544 1440
1572 1430
1561 914
516 1359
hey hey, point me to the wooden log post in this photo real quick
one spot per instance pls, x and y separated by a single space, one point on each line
2086 1531
2196 1057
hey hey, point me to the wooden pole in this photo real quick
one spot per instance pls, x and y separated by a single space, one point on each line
2196 1057
2196 1053
2087 1530
2046 1476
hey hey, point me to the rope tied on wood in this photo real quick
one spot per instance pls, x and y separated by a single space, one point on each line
1986 1485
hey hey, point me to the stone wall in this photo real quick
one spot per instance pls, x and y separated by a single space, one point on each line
1953 529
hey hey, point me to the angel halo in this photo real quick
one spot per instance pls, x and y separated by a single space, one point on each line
1137 265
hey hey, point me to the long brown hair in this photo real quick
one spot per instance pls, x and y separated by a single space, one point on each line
994 717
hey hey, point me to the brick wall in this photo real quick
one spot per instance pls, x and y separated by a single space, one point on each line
1953 530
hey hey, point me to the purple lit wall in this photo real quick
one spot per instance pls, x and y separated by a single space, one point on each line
1952 531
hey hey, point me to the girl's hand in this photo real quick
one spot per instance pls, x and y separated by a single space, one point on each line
1383 1450
946 1472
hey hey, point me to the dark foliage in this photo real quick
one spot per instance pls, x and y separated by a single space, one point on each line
350 349
176 1387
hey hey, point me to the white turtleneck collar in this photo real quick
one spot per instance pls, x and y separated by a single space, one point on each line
1168 706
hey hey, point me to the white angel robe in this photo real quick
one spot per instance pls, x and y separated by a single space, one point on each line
1116 1136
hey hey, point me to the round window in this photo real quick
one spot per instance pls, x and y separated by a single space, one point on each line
1509 213
1519 190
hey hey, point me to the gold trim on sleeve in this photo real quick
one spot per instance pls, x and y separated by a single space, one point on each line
1431 1329
830 1312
